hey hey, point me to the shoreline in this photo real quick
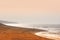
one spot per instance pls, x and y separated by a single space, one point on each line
16 33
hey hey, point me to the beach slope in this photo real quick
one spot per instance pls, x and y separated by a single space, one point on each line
17 33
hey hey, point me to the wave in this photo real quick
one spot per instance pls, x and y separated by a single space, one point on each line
49 27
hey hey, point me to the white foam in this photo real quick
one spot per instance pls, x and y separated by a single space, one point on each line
48 35
18 25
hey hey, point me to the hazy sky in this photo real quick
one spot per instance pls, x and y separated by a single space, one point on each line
31 11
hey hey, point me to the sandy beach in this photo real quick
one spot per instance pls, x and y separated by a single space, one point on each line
16 33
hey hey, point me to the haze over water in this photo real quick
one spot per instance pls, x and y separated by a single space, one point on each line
26 12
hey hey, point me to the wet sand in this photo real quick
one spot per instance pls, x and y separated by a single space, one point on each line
17 33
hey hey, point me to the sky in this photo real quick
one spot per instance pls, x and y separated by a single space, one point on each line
30 11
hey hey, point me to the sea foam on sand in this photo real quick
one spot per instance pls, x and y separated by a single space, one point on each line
48 35
17 25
